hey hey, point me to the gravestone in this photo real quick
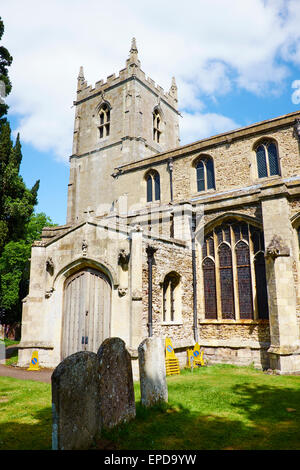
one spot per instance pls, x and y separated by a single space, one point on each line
152 367
75 401
117 402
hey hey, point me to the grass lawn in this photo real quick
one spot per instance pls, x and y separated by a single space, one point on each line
13 356
216 407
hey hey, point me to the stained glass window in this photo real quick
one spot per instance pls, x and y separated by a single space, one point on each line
234 279
261 286
209 275
226 281
244 280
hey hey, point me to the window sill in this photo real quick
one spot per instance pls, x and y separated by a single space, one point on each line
266 179
204 192
233 322
168 323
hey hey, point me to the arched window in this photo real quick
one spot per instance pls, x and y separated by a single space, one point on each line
205 174
261 285
244 279
234 274
267 159
153 186
226 281
104 121
156 126
171 297
209 275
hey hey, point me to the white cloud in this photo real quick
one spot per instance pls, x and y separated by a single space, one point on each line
212 47
296 93
197 126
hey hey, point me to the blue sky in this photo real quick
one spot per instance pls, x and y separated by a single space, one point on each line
235 62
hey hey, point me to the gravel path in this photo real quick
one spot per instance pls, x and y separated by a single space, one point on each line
43 375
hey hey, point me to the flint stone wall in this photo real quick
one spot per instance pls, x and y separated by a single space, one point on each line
152 371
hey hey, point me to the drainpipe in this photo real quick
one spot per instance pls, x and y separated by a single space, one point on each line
150 250
194 268
170 166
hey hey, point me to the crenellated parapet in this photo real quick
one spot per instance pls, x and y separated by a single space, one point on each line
130 72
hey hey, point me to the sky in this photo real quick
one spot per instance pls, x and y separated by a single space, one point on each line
235 63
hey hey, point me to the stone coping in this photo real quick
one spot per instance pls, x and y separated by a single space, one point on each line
35 344
233 344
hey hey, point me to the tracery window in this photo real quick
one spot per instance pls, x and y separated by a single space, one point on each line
156 126
205 174
267 159
234 275
153 186
104 118
171 297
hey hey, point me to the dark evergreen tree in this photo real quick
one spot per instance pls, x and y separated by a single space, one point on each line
17 222
5 84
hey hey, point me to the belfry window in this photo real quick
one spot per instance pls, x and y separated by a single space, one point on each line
267 159
153 186
234 274
156 126
104 118
171 297
205 174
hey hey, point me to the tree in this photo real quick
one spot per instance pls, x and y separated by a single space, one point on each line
5 84
18 225
16 200
14 269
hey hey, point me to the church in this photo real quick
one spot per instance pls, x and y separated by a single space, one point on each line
197 243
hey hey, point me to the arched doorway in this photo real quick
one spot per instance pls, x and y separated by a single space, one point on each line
87 307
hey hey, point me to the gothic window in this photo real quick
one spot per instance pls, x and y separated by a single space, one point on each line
226 281
156 126
171 297
267 159
209 275
244 279
104 121
261 285
153 186
205 174
234 275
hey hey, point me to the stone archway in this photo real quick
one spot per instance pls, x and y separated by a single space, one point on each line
86 311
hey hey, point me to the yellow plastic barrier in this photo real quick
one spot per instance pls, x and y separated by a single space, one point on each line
172 362
34 363
197 355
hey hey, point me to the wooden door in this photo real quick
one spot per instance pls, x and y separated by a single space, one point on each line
86 317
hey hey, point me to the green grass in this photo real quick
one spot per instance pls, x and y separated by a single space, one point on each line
13 359
25 414
216 407
10 342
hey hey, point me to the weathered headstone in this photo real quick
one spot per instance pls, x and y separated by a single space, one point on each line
75 401
152 367
117 403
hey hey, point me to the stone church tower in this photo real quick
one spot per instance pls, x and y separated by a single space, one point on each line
128 262
123 120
